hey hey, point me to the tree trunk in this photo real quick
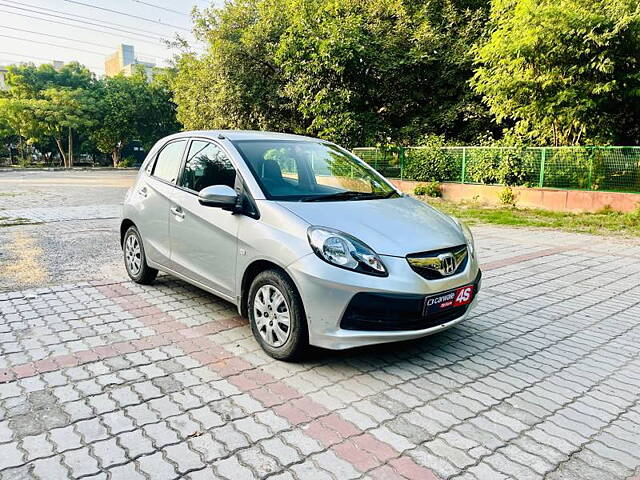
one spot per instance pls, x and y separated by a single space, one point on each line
70 147
115 155
61 150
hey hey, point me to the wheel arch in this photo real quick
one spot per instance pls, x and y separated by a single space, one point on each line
251 272
124 226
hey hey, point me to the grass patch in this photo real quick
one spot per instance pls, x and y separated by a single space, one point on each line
604 222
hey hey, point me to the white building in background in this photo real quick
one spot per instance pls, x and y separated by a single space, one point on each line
3 72
125 61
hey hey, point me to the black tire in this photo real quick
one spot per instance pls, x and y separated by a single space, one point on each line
296 344
144 275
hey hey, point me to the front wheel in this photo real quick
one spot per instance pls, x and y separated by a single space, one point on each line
135 260
277 316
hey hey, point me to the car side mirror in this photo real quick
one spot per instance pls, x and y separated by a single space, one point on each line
221 196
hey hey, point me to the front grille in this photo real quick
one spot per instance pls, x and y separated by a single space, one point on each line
427 264
380 312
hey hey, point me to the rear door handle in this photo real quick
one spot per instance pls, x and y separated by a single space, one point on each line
143 192
177 211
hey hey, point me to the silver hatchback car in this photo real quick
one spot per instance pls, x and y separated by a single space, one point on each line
311 243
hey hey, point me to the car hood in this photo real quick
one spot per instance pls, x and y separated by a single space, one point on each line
394 226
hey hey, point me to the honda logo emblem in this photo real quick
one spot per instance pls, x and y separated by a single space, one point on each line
447 264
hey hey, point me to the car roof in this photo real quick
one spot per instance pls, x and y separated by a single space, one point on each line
234 135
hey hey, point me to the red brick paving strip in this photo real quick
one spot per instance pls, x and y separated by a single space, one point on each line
525 257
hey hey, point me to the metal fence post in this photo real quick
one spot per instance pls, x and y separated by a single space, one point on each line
589 178
542 161
463 176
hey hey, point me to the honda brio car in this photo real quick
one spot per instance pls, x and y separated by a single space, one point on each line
312 244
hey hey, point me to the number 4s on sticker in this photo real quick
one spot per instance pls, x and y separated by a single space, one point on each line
463 296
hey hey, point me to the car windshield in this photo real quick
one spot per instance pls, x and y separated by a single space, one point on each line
311 171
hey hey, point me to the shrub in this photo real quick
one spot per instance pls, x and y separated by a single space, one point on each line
431 189
482 165
431 163
508 197
517 167
504 166
127 162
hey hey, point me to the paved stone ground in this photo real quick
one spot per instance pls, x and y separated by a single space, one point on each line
107 379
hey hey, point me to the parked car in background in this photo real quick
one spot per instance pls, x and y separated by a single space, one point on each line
311 244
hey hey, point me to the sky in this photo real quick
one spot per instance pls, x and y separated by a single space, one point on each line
41 31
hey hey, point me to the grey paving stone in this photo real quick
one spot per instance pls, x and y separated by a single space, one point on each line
303 443
135 443
156 467
337 466
50 468
184 458
233 470
108 452
10 455
65 438
259 462
117 422
285 454
309 469
80 462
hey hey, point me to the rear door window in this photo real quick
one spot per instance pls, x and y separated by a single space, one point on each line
167 165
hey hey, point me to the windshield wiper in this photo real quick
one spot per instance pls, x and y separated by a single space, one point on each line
346 195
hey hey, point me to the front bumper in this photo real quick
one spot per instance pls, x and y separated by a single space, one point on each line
328 294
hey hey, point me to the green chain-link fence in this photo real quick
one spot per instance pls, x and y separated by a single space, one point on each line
585 168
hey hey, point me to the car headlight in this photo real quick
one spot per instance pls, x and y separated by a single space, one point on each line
343 250
468 236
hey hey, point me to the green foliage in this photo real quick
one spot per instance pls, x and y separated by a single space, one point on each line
431 189
482 165
508 197
48 109
508 166
127 162
353 71
431 162
563 72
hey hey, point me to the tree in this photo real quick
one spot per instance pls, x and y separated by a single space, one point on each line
45 102
29 81
60 112
236 84
355 71
131 109
565 71
18 116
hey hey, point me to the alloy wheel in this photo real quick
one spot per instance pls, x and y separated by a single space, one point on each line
271 315
133 254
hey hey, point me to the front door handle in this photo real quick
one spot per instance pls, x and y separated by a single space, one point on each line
177 211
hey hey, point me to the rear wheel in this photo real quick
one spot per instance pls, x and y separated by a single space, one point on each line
135 260
277 316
